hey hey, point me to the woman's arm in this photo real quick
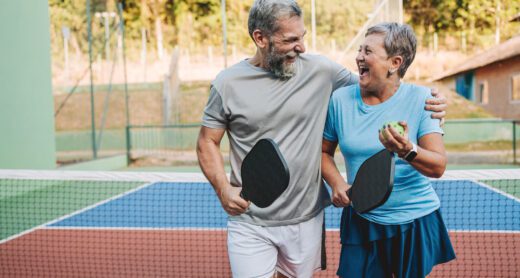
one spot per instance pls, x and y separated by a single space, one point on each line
331 174
431 155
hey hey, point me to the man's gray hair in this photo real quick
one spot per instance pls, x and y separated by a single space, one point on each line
399 40
264 15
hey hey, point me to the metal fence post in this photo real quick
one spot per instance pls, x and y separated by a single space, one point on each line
92 104
514 141
128 145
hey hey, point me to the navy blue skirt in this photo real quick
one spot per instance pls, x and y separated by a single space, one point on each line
408 250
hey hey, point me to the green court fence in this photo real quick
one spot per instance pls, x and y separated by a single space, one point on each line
495 137
168 143
498 140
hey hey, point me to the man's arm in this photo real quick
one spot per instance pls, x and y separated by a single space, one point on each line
438 104
212 164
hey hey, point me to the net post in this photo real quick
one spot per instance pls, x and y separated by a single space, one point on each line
128 145
127 104
514 141
92 104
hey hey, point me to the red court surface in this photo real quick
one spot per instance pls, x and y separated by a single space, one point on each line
202 253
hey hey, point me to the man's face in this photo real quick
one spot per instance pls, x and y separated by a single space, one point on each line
285 46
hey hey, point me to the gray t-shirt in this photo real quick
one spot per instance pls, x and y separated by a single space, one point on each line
251 104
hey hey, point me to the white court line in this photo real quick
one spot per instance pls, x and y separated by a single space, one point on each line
488 187
224 229
485 231
133 228
460 231
496 190
493 174
471 175
102 176
74 213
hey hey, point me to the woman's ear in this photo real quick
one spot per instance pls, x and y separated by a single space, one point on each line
396 61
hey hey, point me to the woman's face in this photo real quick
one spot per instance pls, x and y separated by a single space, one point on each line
373 63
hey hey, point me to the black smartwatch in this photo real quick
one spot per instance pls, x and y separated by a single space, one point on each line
410 156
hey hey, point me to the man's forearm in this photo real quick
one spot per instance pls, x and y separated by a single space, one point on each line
212 164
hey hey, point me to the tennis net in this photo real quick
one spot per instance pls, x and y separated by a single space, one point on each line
129 224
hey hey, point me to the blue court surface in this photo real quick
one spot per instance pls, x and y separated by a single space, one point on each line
465 205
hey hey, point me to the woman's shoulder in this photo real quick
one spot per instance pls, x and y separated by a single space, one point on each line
418 92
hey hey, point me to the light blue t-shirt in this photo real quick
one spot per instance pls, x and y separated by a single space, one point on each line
355 126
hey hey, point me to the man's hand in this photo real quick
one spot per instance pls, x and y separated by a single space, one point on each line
212 165
438 105
231 201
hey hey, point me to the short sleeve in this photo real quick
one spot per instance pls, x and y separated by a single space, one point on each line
329 132
214 115
341 77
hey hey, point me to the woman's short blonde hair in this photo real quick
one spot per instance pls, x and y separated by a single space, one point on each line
399 40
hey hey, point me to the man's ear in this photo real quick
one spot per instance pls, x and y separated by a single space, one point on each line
261 40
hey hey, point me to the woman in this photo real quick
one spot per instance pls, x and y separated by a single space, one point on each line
406 236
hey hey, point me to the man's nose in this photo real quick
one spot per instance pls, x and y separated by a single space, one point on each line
300 47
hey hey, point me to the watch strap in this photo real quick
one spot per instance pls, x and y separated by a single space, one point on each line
410 156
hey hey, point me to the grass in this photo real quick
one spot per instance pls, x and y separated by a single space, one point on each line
500 145
146 106
145 103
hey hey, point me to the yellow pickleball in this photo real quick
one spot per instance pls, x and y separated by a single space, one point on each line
395 125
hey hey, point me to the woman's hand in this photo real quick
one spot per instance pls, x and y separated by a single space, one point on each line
339 195
394 142
331 174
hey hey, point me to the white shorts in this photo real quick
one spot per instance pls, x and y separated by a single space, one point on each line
293 250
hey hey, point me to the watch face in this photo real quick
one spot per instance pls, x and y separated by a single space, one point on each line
411 156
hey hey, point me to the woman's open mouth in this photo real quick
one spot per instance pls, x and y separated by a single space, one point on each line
363 71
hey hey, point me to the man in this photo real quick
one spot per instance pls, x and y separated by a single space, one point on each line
281 94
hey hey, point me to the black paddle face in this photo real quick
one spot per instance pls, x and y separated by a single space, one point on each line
265 174
373 183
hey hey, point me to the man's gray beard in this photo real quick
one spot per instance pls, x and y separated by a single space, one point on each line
276 64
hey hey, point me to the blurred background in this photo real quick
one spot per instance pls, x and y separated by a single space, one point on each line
131 78
101 104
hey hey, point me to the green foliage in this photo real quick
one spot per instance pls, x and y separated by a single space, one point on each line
337 20
197 23
476 19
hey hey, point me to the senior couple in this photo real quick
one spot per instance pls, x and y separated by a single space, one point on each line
310 105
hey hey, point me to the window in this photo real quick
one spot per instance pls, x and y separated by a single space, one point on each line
515 87
483 92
